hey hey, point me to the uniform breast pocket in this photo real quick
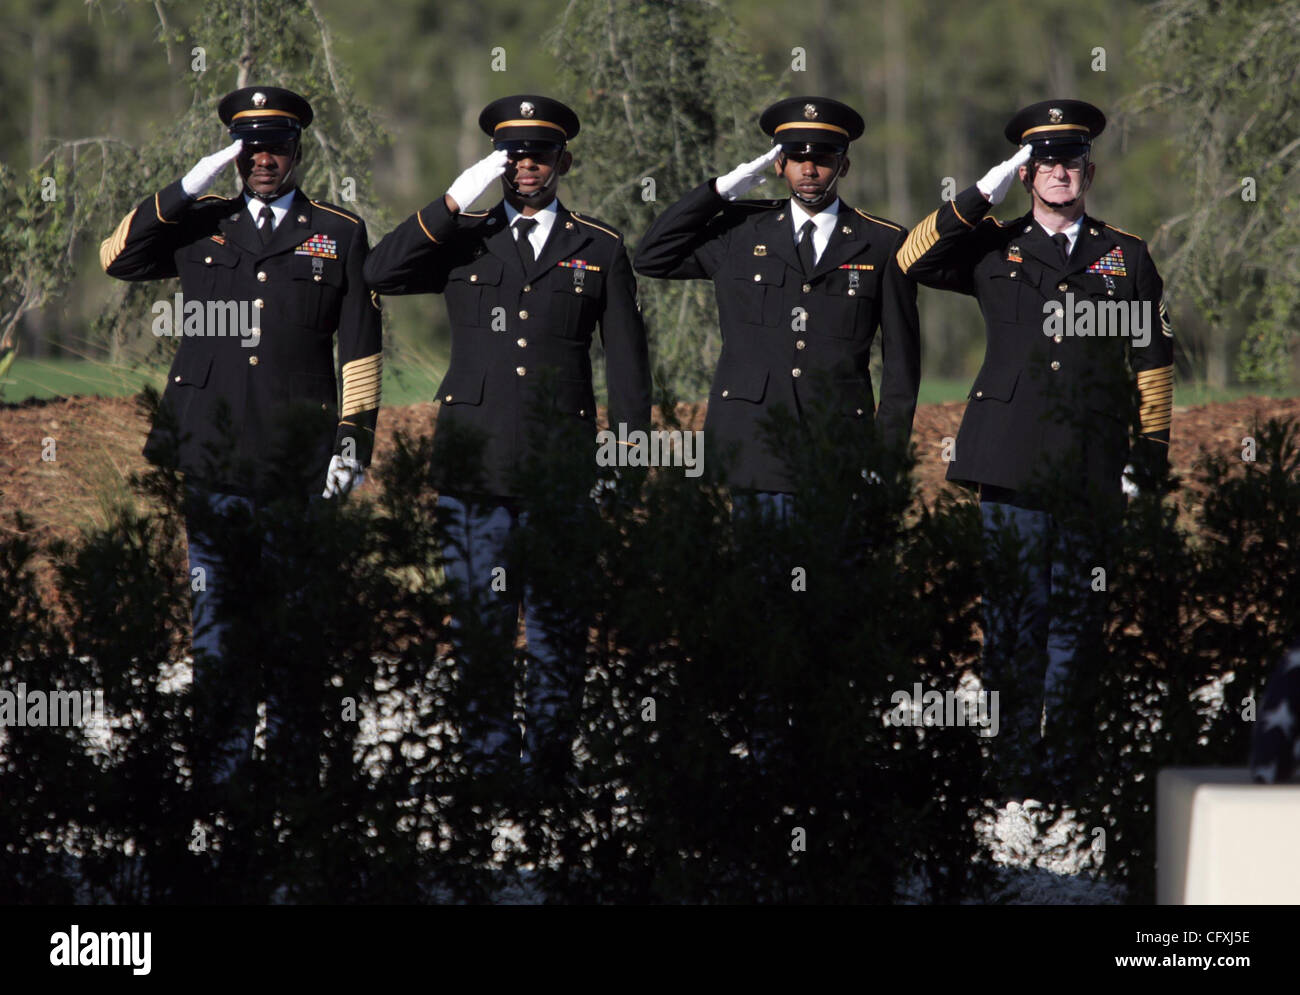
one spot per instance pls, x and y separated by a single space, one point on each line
575 296
474 291
850 300
1012 295
208 270
317 291
757 291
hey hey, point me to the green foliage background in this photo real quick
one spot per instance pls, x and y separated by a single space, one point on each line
1199 96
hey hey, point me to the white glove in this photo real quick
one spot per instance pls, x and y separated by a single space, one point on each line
746 176
469 185
1126 481
198 179
343 475
997 181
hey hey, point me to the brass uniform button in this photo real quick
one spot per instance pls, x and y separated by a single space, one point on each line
796 372
259 303
1056 365
807 288
1056 339
473 278
208 260
520 371
521 342
859 411
252 360
261 276
177 379
979 393
1012 273
852 292
524 315
1062 287
801 344
758 277
725 392
528 288
447 398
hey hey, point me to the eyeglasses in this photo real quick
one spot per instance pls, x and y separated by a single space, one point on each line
1074 164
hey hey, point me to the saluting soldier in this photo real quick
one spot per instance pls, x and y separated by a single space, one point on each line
1050 396
526 283
803 283
292 267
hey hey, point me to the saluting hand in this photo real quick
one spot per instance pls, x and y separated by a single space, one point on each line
997 181
747 175
469 185
198 179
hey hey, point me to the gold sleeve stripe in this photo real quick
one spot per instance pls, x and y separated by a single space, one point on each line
423 229
958 213
919 242
112 247
1151 378
1156 388
365 428
157 209
361 384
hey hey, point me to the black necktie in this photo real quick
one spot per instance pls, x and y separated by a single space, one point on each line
1063 245
265 223
522 227
807 255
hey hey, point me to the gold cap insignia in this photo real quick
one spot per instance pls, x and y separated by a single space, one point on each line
1054 115
259 99
760 250
526 109
809 112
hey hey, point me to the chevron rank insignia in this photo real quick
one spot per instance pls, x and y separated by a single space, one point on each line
318 245
1111 264
579 264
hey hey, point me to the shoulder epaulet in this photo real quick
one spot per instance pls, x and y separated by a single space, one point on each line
1122 231
608 231
335 210
213 196
879 221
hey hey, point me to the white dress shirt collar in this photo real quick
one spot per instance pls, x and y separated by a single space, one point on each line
823 222
279 207
545 219
1071 231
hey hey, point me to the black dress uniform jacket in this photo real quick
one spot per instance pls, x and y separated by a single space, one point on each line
1040 399
748 249
301 287
540 347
